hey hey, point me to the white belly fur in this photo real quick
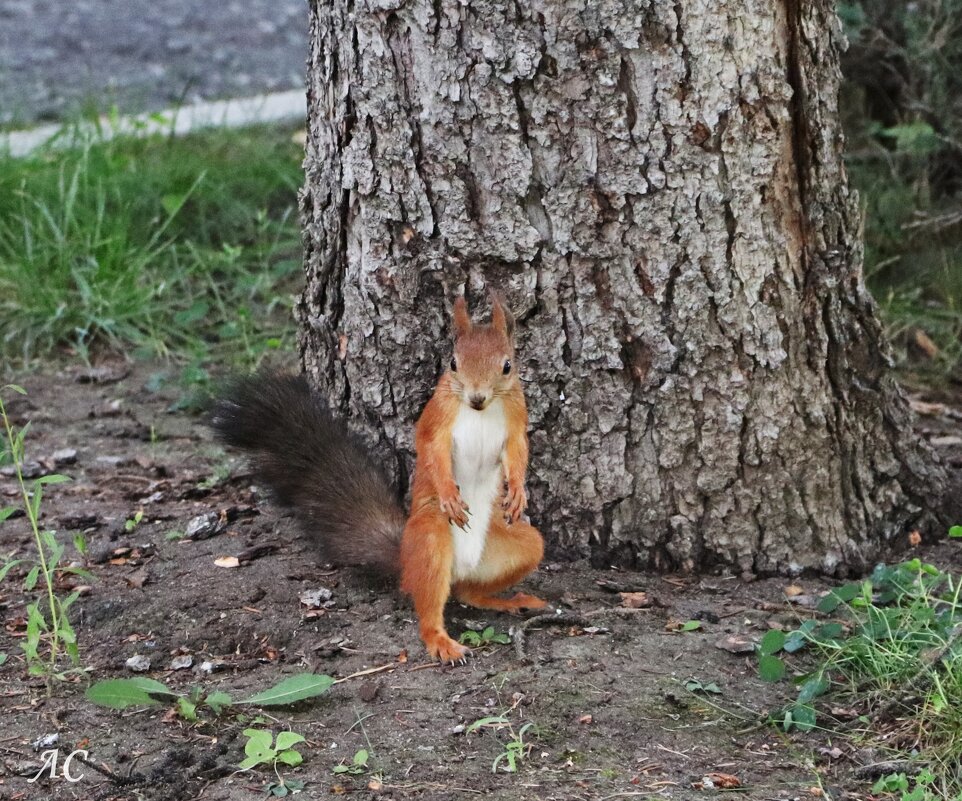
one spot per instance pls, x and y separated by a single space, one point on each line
478 441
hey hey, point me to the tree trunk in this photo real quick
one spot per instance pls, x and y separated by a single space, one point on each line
658 191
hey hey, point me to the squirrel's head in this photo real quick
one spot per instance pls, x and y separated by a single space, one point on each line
482 366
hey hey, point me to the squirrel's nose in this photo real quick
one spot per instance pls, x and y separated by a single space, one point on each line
477 401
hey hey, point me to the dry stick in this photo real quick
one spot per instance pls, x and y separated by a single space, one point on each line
520 632
115 779
369 671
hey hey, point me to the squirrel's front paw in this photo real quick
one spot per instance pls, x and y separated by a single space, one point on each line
453 505
445 649
515 501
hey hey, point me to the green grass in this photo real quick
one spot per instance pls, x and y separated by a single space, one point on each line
165 247
889 648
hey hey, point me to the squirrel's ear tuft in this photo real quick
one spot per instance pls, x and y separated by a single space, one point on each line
501 318
461 318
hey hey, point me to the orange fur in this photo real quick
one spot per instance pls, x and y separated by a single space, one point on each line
512 548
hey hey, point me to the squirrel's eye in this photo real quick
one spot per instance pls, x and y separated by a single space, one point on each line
454 365
507 367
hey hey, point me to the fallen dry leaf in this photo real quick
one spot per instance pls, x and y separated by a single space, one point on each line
792 590
586 719
635 600
725 780
137 579
227 561
717 781
736 644
915 538
925 344
402 657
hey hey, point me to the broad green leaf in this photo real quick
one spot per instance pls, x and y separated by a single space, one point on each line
9 510
772 642
259 748
955 531
691 625
803 716
360 758
252 762
812 688
838 596
121 693
771 668
16 388
829 631
287 739
291 690
187 709
258 741
217 701
290 757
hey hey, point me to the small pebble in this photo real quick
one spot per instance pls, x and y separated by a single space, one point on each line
64 456
138 663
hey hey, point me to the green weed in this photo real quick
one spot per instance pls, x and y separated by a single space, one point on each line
481 639
515 749
358 764
262 749
888 647
50 626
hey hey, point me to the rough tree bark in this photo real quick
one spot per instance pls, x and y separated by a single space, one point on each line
658 190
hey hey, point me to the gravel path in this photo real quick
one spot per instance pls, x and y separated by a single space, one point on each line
144 54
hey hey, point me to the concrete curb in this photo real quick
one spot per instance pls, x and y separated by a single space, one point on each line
276 107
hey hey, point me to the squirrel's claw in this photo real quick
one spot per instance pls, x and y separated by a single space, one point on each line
456 510
515 501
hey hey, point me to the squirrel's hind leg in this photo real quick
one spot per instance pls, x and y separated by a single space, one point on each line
426 559
511 552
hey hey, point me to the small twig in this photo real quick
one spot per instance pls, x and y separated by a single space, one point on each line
369 671
519 633
115 779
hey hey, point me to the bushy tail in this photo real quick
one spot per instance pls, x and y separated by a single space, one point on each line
315 466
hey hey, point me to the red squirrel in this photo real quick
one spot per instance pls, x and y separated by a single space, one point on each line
464 534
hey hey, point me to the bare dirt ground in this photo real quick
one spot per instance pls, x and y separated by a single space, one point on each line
606 691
